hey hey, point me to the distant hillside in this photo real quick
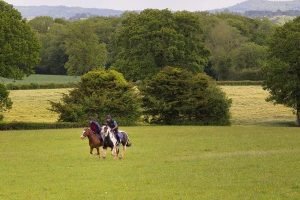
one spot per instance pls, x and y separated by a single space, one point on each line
264 5
65 12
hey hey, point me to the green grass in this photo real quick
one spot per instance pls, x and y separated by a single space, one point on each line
33 105
42 79
163 163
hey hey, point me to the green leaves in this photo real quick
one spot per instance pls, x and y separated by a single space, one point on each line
282 72
153 39
19 47
100 92
5 101
83 49
177 96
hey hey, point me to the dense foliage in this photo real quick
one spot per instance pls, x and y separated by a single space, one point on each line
177 96
283 70
153 39
19 47
5 101
140 44
100 92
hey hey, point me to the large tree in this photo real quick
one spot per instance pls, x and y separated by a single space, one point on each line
19 47
85 51
222 40
177 96
153 39
283 71
100 92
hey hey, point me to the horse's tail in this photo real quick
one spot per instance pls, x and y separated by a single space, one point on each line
128 143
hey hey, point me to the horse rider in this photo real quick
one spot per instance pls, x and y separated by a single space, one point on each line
113 125
95 127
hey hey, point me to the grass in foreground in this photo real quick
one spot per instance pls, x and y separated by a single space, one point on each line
163 163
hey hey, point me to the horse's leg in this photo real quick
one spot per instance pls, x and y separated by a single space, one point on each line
91 150
98 153
104 154
115 152
124 150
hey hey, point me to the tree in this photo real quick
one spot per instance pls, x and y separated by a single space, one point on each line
153 39
248 60
100 92
41 24
177 96
83 48
19 47
5 101
282 73
53 53
222 41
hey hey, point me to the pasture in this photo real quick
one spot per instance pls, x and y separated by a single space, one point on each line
42 79
248 107
239 162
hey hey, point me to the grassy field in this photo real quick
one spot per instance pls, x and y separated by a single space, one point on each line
42 79
249 106
33 105
164 163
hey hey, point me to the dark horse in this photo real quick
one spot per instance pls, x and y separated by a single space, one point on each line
111 141
95 142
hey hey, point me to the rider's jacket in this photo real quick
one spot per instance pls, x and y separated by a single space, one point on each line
112 124
95 126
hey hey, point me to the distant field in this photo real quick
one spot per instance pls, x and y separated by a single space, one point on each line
230 163
42 79
33 105
249 106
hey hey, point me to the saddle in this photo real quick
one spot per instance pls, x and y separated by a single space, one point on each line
120 135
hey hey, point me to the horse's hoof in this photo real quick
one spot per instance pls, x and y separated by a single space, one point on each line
103 158
120 158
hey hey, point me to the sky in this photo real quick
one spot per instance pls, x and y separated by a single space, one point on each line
191 5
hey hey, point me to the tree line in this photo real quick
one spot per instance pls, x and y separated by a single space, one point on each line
225 46
142 47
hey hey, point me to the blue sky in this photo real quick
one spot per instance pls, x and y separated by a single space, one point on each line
191 5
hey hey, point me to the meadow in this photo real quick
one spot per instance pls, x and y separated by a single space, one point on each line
248 108
239 162
42 79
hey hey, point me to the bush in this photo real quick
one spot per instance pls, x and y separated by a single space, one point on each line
36 126
100 92
176 96
240 83
33 86
5 101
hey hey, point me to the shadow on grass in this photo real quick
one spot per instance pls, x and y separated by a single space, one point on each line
268 123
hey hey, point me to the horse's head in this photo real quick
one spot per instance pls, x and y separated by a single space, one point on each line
85 133
106 131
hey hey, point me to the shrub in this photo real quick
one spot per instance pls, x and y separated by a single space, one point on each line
36 126
177 96
100 92
5 101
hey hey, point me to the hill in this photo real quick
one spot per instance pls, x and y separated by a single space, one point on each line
30 12
264 5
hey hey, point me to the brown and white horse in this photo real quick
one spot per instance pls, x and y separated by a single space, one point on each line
111 141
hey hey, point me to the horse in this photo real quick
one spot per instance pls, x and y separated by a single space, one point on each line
111 141
94 140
